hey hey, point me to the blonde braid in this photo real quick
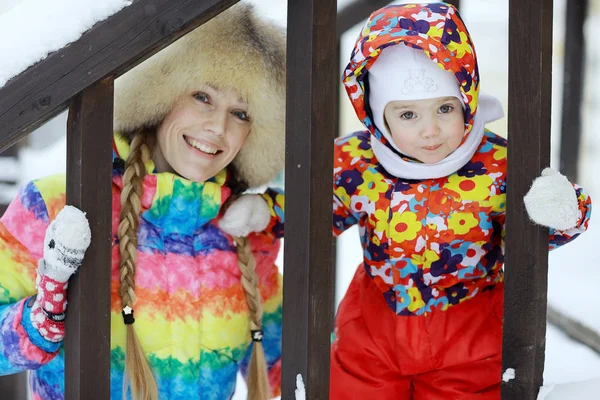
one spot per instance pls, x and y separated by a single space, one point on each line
138 373
258 382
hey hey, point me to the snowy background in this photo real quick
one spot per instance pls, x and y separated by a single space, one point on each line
574 273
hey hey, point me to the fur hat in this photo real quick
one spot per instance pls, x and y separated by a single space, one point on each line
233 50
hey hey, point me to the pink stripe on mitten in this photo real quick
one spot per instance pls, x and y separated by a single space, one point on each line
48 310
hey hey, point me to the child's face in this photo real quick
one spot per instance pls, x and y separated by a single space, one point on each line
427 130
202 134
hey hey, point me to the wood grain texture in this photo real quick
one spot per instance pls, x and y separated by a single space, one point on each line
310 130
89 185
570 137
529 88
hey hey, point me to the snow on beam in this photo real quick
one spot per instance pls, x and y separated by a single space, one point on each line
529 89
110 47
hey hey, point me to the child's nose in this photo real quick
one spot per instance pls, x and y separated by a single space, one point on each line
430 130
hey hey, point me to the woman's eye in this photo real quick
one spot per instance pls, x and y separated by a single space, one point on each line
203 97
242 115
407 115
445 109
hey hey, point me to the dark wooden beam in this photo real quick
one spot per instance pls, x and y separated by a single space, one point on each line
529 102
455 3
570 138
310 130
110 48
13 387
89 186
356 12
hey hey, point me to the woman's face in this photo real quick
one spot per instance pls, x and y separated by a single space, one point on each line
202 134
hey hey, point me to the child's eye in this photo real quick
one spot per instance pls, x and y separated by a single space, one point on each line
242 115
446 108
202 97
407 115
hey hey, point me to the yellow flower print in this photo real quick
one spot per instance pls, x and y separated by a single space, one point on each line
461 223
498 203
341 193
404 226
353 148
425 260
499 153
460 48
476 188
381 220
373 185
416 300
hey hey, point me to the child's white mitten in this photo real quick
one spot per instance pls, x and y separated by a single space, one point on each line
249 213
552 201
67 239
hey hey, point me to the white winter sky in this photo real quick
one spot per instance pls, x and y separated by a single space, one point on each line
574 270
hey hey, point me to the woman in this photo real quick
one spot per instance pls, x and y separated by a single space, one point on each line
196 125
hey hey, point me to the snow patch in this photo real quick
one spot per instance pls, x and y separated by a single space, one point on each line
582 390
300 390
508 375
37 28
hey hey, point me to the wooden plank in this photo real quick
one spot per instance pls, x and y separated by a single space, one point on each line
14 387
576 330
356 12
570 139
455 3
308 290
110 48
529 88
89 183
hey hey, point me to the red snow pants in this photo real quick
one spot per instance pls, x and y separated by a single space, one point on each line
446 355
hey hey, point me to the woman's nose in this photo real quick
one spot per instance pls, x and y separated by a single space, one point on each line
216 123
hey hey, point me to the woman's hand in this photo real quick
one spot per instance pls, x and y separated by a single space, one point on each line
552 201
248 213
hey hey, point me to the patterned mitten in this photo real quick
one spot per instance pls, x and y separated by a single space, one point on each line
67 239
552 201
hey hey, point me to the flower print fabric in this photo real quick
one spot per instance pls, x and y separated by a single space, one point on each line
427 244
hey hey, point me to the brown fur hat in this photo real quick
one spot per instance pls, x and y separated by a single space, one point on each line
235 49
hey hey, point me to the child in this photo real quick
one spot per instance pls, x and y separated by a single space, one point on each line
195 125
422 318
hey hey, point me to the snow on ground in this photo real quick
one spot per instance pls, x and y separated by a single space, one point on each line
28 45
574 270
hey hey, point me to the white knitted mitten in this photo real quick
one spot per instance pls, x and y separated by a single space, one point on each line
552 201
67 239
249 213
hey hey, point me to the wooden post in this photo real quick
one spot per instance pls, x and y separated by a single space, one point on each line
89 180
355 12
455 3
570 136
14 387
529 88
310 125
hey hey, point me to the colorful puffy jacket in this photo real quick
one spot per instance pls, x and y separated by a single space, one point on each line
191 313
428 243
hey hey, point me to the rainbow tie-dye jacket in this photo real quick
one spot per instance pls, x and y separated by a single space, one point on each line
428 244
191 314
